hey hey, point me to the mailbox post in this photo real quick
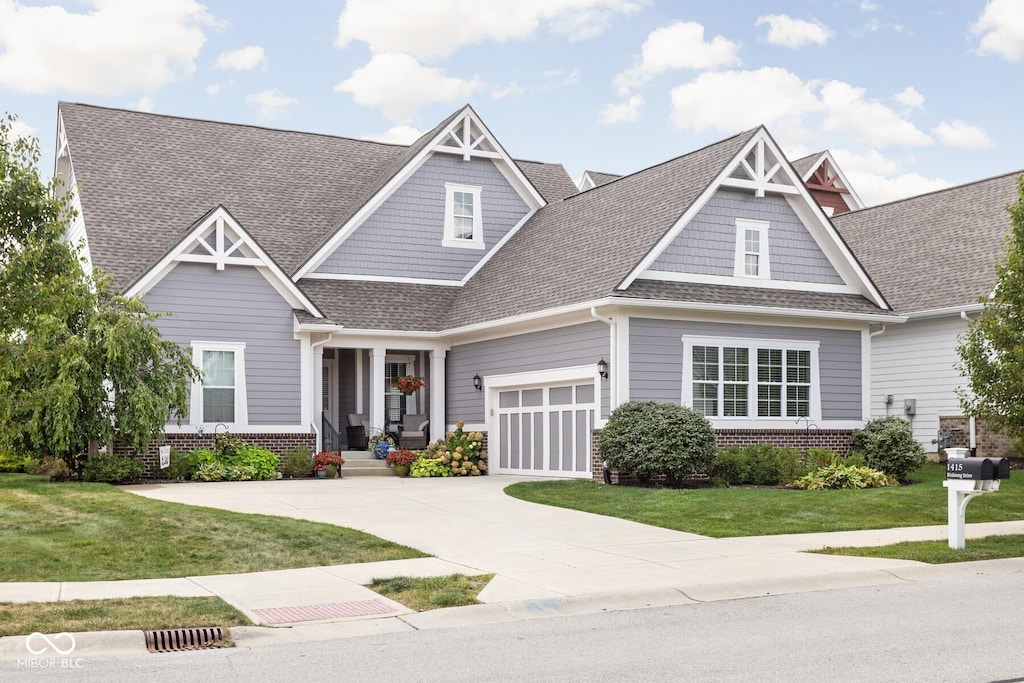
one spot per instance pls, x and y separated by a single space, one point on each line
965 479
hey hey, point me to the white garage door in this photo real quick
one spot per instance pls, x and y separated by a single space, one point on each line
544 430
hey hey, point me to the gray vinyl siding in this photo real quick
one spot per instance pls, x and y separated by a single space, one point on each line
237 304
707 245
346 383
656 360
406 231
546 350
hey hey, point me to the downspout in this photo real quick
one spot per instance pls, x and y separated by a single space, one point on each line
314 384
971 421
613 333
872 335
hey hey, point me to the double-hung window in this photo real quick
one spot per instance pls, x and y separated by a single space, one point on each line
463 222
751 378
219 396
752 249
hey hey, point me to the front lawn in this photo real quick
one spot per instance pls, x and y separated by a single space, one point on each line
96 532
939 552
765 511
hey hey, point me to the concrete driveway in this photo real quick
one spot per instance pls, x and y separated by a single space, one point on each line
540 552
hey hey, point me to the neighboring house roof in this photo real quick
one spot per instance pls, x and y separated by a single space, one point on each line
145 178
936 250
592 179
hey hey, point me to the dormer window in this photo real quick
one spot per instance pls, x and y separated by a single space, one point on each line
752 249
463 227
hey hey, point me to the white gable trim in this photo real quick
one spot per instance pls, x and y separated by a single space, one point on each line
458 129
586 182
698 278
790 185
245 251
384 278
856 202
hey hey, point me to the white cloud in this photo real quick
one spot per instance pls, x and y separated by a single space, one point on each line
878 189
873 162
399 85
961 134
849 111
439 27
621 112
910 98
513 89
144 103
1001 29
212 89
788 32
736 100
270 103
242 59
399 135
19 130
677 46
118 46
868 6
558 77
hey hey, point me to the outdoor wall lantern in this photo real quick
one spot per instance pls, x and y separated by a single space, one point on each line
602 369
478 383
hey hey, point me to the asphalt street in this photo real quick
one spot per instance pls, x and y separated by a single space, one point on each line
943 630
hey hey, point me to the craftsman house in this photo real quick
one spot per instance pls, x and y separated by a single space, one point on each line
306 271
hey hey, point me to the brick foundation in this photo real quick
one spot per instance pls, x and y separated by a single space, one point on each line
837 440
990 443
279 444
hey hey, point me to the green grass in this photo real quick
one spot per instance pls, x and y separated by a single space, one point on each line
939 552
764 511
124 614
92 532
434 592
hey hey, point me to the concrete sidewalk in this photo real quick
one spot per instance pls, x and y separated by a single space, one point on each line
545 559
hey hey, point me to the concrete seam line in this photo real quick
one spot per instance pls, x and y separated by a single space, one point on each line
401 618
688 597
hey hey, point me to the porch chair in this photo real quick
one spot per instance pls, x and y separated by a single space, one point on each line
413 433
355 432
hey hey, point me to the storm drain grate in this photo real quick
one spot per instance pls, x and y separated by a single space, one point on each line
178 639
333 610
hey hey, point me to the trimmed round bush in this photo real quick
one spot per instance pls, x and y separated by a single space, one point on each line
646 439
888 445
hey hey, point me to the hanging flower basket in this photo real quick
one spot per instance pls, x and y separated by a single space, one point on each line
407 383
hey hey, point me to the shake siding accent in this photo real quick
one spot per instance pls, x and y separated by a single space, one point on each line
707 245
546 350
656 360
237 305
918 360
403 237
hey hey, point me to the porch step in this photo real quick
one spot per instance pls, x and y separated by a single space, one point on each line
363 464
358 455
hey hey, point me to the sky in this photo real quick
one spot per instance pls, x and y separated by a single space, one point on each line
910 96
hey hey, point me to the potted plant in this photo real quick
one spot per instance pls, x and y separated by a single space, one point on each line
327 460
402 460
407 383
379 444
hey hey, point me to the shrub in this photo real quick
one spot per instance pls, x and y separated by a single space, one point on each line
210 471
261 462
760 465
819 457
402 457
11 462
430 467
54 468
888 444
298 462
461 452
180 467
644 439
838 475
239 472
111 469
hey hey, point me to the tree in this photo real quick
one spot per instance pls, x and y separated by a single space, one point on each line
992 349
80 364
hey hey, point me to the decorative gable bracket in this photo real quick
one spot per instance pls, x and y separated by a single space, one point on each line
759 171
469 140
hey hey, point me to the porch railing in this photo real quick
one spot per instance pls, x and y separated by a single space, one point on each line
329 435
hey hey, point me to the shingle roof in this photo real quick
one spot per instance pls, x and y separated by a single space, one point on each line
600 178
381 305
805 165
581 248
146 177
936 250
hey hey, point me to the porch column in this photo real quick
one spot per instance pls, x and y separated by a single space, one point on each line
377 356
437 391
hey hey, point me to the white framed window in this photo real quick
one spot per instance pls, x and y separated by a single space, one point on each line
751 378
752 249
463 223
219 395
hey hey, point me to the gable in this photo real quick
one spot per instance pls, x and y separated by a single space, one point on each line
404 237
707 244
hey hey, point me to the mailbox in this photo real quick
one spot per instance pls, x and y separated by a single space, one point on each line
978 468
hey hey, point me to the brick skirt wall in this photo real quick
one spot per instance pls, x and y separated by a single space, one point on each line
837 440
278 443
990 443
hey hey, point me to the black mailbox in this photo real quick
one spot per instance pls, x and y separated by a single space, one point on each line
978 468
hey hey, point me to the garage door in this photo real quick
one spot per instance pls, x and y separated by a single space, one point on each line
544 430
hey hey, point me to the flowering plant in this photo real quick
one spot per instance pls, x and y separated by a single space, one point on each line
407 383
324 458
402 457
